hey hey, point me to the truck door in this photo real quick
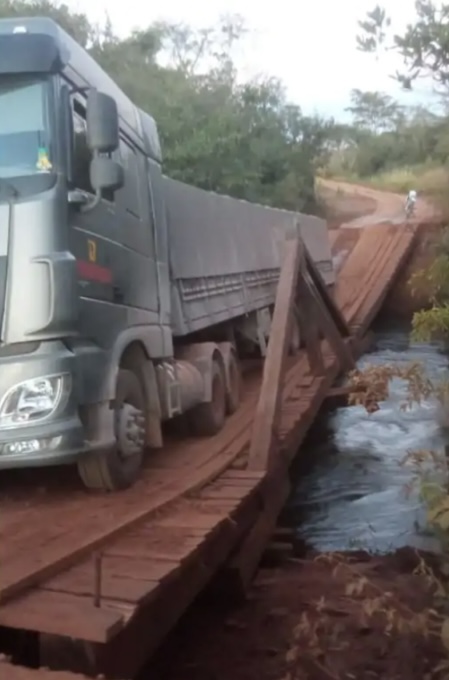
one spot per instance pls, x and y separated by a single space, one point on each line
93 241
135 232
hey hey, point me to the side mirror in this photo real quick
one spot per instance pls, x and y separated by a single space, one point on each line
105 175
102 122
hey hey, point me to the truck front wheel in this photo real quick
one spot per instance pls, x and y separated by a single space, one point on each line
119 468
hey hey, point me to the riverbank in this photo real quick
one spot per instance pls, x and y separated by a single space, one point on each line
339 616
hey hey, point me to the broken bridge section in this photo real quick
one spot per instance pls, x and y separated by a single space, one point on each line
118 571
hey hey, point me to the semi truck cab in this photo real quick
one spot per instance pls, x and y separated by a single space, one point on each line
73 260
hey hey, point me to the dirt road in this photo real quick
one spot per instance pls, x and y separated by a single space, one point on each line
371 206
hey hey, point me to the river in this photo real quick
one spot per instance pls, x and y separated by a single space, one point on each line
355 495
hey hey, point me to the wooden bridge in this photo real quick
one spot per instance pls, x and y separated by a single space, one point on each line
117 572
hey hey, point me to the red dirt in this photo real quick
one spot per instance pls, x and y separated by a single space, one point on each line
301 621
351 208
340 207
359 207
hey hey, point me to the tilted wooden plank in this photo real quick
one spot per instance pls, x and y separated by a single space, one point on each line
328 301
330 330
268 408
308 325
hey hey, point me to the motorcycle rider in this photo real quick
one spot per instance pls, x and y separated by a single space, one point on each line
411 201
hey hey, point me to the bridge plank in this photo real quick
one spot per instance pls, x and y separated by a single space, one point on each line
266 419
50 613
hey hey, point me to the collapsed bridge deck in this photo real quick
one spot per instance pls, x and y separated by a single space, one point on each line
199 508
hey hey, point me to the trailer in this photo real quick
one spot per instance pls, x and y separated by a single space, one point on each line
126 298
225 254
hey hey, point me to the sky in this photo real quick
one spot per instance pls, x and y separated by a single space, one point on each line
310 46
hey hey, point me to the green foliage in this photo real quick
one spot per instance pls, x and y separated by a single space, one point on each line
385 138
75 23
374 111
246 139
431 323
398 138
373 30
435 278
423 45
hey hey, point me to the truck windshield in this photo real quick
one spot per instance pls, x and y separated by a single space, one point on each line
24 139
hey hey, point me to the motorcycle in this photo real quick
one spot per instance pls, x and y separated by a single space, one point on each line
409 209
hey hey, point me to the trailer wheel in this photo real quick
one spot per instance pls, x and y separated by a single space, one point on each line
207 419
120 467
234 387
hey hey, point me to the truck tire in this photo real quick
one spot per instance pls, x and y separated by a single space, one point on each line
235 384
207 419
120 467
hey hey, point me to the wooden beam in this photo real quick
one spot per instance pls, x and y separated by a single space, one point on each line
43 611
266 419
242 567
329 328
330 304
308 326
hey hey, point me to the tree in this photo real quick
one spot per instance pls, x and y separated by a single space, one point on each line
374 111
75 23
424 45
246 140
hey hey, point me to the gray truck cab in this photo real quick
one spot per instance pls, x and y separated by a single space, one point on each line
76 215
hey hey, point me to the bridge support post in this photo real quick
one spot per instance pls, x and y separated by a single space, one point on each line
301 291
266 419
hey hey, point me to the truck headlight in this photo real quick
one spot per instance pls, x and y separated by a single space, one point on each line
34 400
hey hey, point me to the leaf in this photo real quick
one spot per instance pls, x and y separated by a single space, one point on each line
443 520
439 513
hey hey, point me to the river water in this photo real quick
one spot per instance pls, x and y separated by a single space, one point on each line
355 494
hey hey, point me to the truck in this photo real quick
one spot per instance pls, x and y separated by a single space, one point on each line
127 298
